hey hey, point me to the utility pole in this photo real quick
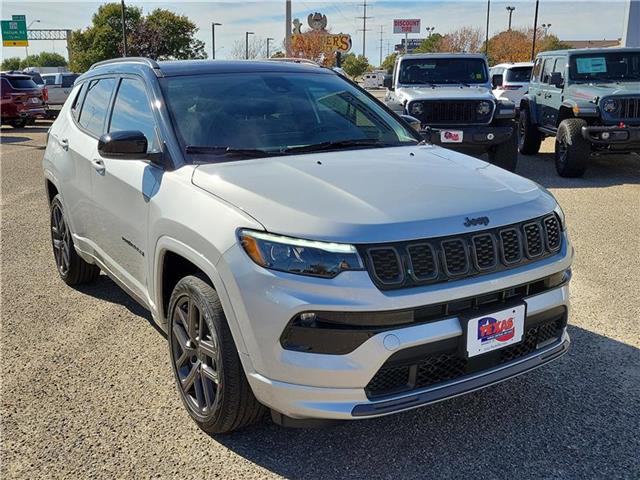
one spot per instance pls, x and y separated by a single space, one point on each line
287 28
213 39
364 27
510 10
124 32
381 32
486 41
246 44
535 31
268 40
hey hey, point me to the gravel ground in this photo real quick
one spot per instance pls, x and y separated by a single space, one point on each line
87 389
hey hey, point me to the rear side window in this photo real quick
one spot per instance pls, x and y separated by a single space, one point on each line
537 68
67 80
36 78
96 104
22 82
77 100
49 79
547 69
132 111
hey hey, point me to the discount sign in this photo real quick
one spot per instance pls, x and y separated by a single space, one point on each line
410 25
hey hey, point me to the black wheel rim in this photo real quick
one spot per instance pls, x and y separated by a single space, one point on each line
561 148
522 128
196 357
61 239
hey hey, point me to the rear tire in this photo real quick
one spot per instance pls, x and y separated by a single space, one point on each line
505 155
205 361
18 123
529 138
572 150
71 267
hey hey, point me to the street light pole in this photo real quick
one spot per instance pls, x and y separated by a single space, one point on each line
287 28
124 32
26 48
246 44
535 31
486 41
268 40
213 39
510 10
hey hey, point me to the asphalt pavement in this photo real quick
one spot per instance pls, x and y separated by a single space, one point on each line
87 388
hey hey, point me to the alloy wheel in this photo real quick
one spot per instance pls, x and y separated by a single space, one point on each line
562 150
61 239
196 356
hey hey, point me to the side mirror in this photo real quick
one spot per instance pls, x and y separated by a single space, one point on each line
496 80
387 82
413 122
124 145
556 80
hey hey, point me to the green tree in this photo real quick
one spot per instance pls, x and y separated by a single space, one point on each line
551 42
355 66
160 35
11 63
44 59
389 62
430 44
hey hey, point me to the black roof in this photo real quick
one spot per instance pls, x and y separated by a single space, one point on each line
194 67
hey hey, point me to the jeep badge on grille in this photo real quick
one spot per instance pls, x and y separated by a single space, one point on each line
469 222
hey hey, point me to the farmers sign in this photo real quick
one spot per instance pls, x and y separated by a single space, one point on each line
406 25
318 39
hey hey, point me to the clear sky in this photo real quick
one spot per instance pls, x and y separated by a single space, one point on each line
569 19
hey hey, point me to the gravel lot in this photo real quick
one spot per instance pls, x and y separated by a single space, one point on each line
87 389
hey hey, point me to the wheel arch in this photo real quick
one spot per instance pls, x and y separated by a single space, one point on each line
528 104
173 260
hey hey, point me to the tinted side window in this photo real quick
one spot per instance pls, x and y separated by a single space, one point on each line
67 80
96 104
132 111
537 68
547 69
49 79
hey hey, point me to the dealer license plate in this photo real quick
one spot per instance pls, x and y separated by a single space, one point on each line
451 136
494 331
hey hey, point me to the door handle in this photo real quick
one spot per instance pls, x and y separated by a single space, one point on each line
64 143
98 165
539 93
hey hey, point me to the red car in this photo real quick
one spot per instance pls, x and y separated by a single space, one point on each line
22 100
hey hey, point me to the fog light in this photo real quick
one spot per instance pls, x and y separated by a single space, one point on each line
604 135
306 319
490 136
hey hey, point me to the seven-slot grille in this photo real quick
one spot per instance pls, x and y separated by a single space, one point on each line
449 112
630 108
435 260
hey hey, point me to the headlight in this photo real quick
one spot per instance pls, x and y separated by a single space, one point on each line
610 105
484 108
302 257
416 108
558 211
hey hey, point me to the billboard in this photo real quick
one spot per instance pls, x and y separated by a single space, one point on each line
411 25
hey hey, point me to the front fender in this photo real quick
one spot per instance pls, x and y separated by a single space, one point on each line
528 102
581 108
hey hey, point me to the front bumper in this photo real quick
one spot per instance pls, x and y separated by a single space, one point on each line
473 137
618 139
324 386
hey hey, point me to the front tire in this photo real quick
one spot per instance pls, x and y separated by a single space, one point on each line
572 150
71 267
529 138
205 361
505 155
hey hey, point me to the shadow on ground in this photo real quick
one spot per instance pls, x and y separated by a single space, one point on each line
589 399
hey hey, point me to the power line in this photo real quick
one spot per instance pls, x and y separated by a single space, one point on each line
364 29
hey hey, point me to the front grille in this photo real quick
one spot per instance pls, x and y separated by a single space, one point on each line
449 112
630 108
435 260
442 366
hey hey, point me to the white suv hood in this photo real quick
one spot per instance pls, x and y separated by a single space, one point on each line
373 195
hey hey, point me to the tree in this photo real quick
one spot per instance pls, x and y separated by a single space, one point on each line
355 66
515 45
389 62
550 42
257 48
465 39
430 44
310 45
278 54
11 63
44 59
160 35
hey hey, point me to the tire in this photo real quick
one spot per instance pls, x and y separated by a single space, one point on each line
529 138
208 373
18 123
572 151
505 155
71 267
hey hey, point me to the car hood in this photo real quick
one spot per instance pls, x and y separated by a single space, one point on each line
448 92
595 91
373 195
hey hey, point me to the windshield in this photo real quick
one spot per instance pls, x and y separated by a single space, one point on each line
597 67
276 112
518 74
417 71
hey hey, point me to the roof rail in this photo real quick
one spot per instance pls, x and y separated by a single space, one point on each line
143 60
305 61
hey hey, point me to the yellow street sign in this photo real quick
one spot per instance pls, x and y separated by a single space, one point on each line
15 43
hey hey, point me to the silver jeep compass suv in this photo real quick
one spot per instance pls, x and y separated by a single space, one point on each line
303 248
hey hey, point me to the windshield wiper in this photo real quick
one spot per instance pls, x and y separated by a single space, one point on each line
454 82
338 144
227 151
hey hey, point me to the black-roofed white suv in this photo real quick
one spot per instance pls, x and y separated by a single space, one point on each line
304 249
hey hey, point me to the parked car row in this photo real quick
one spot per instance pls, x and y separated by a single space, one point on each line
19 91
